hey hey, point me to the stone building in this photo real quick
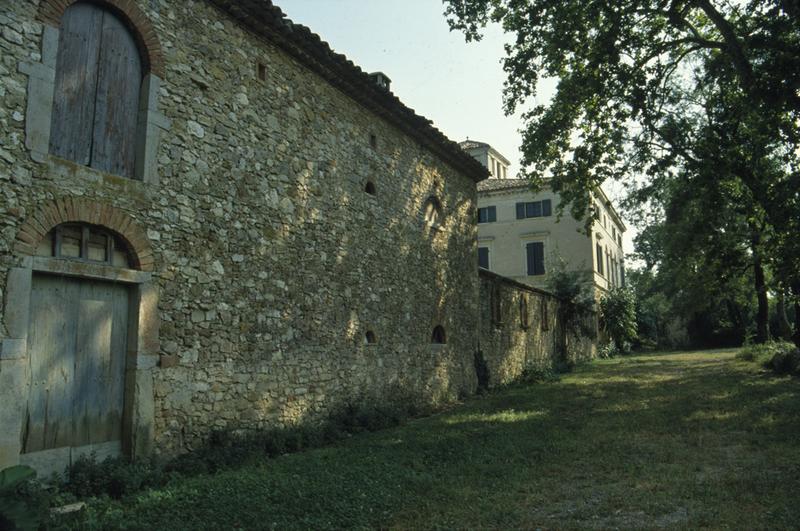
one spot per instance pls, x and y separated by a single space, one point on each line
209 220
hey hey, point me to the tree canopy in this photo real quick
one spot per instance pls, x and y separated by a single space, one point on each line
662 95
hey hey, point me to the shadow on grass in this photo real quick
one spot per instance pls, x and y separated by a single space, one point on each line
666 440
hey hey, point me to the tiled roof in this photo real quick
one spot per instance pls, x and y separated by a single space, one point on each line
267 20
492 185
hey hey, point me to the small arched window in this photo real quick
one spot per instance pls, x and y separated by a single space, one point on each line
438 336
370 338
523 311
370 188
433 212
86 243
97 84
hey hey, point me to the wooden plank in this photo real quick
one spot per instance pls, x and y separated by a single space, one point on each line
92 362
76 83
118 86
119 353
52 355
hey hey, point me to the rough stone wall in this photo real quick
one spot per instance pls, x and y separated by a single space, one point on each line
511 345
271 260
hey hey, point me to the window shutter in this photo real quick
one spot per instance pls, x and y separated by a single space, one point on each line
530 255
547 208
483 257
538 258
116 113
492 214
481 215
76 83
520 210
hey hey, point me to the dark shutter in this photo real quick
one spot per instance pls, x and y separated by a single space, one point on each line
535 258
599 251
118 84
483 257
547 208
538 258
520 210
529 255
492 214
76 83
481 215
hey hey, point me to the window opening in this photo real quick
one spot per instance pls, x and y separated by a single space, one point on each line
483 257
370 188
487 214
438 337
86 243
433 212
370 338
534 209
523 311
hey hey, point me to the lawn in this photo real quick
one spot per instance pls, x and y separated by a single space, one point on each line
665 440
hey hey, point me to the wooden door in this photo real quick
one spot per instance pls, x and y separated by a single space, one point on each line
77 343
97 86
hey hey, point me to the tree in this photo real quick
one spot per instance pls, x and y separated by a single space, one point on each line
650 89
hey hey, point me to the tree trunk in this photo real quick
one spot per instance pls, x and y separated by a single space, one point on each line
784 330
762 316
796 293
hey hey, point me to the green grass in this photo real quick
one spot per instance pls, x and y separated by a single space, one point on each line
664 440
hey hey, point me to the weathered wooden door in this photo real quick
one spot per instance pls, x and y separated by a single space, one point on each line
77 343
97 85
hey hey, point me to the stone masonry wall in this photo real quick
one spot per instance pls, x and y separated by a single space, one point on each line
271 261
521 331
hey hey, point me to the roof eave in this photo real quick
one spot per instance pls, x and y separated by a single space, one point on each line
267 20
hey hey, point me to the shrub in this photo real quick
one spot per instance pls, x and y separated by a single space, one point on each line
115 477
780 357
609 350
618 318
20 507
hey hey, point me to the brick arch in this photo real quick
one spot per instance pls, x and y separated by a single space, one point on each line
51 11
80 210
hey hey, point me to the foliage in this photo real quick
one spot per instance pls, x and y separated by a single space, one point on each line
786 362
781 357
17 510
618 318
607 350
118 478
654 430
692 96
575 291
679 305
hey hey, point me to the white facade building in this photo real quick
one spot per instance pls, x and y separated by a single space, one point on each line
520 237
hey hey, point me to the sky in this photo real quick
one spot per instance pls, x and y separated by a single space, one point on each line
434 71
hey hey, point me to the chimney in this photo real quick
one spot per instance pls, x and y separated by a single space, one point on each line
381 79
